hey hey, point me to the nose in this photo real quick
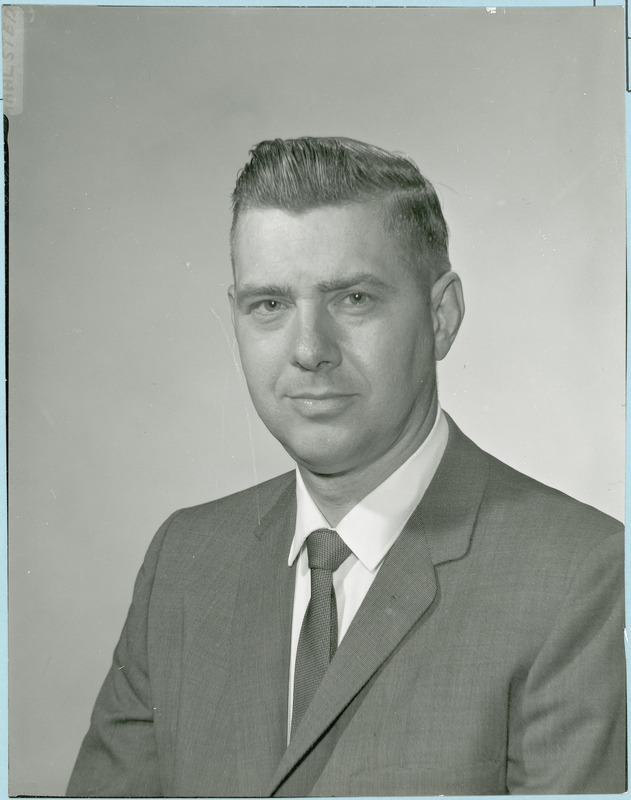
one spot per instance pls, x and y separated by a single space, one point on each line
315 341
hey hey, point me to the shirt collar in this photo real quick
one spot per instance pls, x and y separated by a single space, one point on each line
372 526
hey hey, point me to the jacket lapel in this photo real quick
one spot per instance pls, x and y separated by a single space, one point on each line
439 530
261 642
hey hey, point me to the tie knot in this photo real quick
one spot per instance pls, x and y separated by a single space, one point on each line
326 550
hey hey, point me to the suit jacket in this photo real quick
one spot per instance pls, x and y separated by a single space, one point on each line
486 658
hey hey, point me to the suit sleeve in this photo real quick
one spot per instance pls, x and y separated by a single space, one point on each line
567 725
118 756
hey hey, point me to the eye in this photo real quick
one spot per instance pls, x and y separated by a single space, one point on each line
356 299
266 307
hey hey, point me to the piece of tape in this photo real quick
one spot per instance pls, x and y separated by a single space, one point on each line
13 59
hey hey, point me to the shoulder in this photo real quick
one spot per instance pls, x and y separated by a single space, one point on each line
244 508
532 501
218 530
535 556
520 515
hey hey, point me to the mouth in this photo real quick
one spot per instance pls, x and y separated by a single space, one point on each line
315 397
313 404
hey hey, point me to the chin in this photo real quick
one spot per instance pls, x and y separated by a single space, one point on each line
321 463
324 452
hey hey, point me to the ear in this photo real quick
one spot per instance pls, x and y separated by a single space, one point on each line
232 302
447 306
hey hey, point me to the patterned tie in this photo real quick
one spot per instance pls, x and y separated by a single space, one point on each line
318 635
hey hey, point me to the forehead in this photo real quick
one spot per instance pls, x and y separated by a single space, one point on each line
327 240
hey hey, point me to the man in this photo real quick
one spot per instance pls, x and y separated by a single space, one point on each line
405 614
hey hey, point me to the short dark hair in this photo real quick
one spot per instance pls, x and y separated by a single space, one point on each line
298 175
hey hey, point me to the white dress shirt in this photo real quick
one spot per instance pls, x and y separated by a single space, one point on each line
369 530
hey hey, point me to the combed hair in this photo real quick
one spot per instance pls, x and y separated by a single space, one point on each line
298 175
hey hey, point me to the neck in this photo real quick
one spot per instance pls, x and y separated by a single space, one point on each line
336 494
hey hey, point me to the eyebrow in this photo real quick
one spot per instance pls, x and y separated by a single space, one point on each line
250 290
352 280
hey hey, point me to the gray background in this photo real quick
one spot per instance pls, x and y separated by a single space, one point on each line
126 399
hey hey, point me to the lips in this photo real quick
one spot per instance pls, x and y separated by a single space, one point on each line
320 403
318 396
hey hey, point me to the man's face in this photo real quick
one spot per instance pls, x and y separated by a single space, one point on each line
335 334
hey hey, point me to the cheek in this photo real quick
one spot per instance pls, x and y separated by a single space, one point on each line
258 378
261 368
256 353
395 359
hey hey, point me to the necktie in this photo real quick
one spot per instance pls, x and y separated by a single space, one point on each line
318 636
